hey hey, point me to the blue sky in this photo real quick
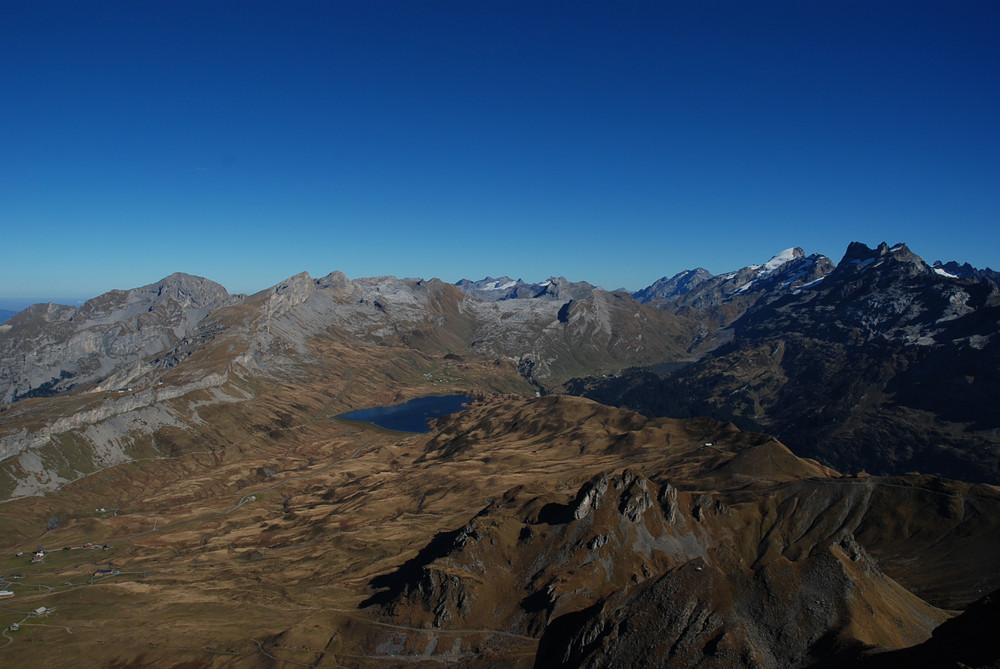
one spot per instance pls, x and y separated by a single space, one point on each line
612 142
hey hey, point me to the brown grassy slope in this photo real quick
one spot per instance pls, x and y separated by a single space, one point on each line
743 506
215 578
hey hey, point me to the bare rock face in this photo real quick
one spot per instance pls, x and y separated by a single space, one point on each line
47 349
560 329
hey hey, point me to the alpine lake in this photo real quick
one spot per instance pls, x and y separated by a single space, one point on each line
411 416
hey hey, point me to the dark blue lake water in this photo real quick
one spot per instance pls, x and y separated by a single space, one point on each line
412 416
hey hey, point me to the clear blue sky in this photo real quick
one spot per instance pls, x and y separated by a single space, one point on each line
612 142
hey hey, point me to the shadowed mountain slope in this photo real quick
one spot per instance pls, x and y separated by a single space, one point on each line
730 554
884 365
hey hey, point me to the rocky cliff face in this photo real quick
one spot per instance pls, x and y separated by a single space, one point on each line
47 349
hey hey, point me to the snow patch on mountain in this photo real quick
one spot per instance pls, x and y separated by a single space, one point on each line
779 259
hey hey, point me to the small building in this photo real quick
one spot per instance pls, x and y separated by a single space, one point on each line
6 593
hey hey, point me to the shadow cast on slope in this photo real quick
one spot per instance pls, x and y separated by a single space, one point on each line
395 583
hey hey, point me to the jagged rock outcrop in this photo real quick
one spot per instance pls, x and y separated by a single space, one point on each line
614 578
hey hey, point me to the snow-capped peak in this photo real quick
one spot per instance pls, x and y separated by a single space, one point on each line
777 261
780 259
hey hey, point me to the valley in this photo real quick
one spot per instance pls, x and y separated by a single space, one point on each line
295 547
175 458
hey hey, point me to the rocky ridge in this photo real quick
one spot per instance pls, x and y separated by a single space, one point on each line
883 364
48 348
730 553
785 272
505 288
773 347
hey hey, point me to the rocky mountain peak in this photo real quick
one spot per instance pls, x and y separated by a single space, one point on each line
679 284
564 289
897 259
964 271
784 257
734 292
185 291
189 289
335 279
505 288
49 348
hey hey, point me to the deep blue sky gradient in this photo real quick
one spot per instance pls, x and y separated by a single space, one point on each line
612 142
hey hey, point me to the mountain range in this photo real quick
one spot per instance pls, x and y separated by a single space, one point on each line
791 464
884 364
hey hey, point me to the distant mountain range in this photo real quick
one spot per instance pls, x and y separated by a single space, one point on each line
793 464
879 362
882 363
